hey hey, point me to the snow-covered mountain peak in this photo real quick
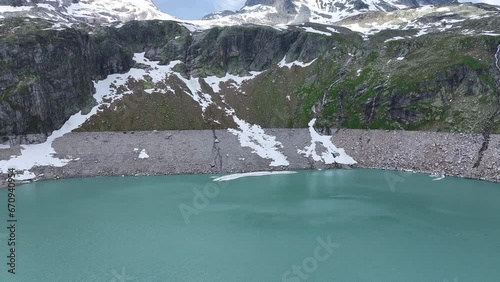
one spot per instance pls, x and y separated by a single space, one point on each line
89 11
318 11
123 10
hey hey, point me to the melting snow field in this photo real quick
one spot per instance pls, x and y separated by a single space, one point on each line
40 154
264 145
283 64
394 39
236 81
250 174
330 155
4 9
25 176
312 30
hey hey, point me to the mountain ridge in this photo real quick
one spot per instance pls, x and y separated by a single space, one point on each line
319 11
86 11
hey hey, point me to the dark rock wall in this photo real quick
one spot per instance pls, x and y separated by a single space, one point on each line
46 76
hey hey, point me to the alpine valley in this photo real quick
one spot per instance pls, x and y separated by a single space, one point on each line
322 65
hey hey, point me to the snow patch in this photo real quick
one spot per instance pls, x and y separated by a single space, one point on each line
356 27
26 175
191 27
283 63
235 81
330 155
10 9
312 30
264 145
497 59
422 32
143 154
443 9
394 39
332 30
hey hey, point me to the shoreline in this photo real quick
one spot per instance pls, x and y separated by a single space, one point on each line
391 170
23 182
97 154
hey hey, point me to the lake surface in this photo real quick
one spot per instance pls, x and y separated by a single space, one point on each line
337 225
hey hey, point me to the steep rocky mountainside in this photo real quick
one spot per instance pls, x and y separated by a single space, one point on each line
46 75
428 68
394 79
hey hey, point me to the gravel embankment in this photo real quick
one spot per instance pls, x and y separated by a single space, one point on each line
434 152
193 151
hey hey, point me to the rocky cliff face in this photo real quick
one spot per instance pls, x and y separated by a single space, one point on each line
235 50
46 75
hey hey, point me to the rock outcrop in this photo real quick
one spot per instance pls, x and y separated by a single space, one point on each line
46 76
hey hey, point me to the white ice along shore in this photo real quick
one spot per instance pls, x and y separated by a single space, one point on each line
330 154
250 174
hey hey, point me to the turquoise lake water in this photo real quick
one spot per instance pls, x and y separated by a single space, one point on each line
337 225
